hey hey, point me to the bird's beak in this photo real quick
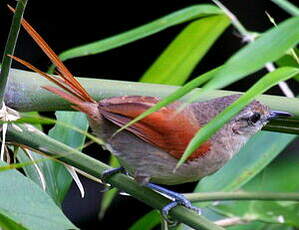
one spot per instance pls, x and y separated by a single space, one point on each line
276 114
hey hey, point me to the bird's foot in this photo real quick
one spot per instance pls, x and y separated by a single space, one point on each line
107 174
179 199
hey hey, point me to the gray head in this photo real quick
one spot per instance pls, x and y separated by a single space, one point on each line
251 119
247 122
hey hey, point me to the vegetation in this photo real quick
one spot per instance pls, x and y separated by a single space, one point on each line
269 187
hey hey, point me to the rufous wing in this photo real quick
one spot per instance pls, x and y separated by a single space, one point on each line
166 129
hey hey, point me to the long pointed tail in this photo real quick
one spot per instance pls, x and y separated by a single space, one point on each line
75 93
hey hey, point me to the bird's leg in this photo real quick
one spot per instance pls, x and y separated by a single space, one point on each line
108 173
179 199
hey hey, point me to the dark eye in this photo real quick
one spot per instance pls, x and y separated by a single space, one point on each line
255 118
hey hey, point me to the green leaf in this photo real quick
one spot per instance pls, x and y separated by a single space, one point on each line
280 176
247 163
178 17
58 178
270 46
7 223
148 221
218 121
177 62
26 204
289 60
257 225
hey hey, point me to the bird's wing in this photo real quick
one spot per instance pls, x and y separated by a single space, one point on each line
166 129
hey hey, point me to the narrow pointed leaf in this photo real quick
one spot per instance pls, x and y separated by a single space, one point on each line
270 46
268 81
180 16
176 63
58 178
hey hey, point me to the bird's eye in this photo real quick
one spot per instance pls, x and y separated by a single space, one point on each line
255 118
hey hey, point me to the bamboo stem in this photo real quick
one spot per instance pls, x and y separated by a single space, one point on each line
24 93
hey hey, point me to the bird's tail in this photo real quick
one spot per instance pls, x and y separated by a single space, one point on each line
69 87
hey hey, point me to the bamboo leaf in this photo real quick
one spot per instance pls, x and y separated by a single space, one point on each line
258 152
271 179
270 46
177 62
57 176
268 81
180 16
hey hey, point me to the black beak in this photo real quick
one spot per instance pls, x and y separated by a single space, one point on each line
276 114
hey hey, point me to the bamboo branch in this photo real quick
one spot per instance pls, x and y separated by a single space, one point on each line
24 93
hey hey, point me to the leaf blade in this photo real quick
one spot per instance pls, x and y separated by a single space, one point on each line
191 45
216 123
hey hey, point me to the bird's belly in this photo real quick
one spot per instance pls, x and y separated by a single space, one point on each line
145 161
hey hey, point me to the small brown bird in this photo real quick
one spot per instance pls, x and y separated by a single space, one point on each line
149 149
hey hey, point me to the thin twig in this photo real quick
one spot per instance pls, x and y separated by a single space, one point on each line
240 195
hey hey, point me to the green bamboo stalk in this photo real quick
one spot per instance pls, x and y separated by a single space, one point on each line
10 45
34 139
24 93
287 6
241 195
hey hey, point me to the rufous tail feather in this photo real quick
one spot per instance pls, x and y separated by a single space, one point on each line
76 93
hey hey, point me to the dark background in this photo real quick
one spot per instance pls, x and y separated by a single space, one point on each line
66 24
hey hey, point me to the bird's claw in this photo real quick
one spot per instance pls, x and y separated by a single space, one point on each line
179 199
107 174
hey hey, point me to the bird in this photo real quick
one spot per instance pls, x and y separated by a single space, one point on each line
150 149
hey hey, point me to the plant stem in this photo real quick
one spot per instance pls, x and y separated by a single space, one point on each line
25 93
10 46
219 196
32 138
287 6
